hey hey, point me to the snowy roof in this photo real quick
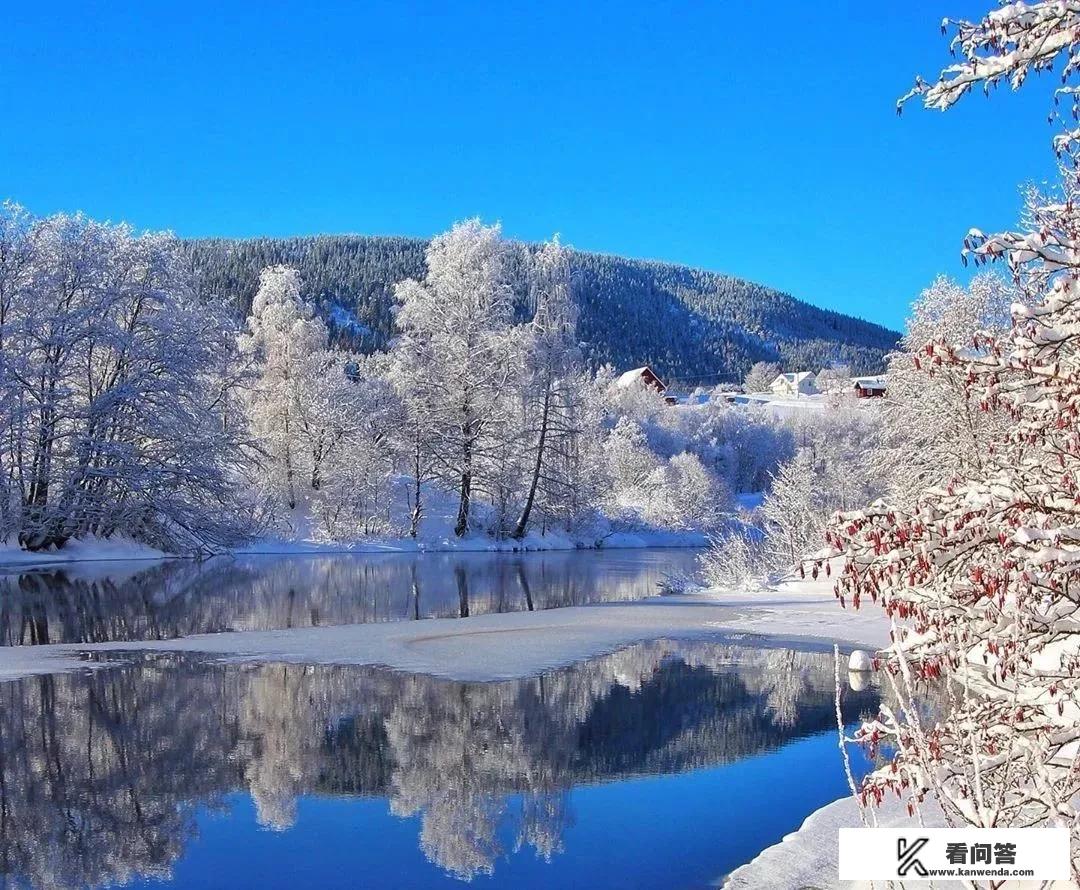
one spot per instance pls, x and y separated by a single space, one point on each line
870 382
797 377
629 378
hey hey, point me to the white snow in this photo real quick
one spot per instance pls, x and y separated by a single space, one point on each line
860 660
79 550
808 857
782 406
442 541
617 540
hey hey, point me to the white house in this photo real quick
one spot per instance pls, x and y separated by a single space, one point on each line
801 383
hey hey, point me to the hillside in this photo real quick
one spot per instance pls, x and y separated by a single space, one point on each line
687 323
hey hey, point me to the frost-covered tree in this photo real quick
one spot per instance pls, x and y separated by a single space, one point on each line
413 439
634 469
795 512
693 498
978 574
358 416
321 418
455 348
554 407
834 380
286 342
117 389
933 431
834 467
760 376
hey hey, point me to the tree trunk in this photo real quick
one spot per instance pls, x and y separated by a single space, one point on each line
523 520
316 468
289 465
417 510
462 525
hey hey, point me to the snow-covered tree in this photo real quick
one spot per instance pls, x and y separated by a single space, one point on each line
455 349
284 339
321 418
978 574
835 467
413 439
795 511
356 411
834 380
554 408
634 469
933 431
693 498
117 389
760 376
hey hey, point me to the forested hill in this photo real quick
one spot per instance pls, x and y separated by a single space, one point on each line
687 323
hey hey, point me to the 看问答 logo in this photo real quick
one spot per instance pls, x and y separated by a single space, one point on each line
907 856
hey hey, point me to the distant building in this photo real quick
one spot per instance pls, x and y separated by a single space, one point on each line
800 383
869 387
644 376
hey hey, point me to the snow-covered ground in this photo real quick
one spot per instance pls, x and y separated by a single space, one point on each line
780 405
85 550
807 858
636 539
97 549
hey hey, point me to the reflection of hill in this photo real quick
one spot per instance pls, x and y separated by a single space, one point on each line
687 717
100 774
180 598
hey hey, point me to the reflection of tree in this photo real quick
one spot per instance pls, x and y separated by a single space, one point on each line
458 750
97 776
275 717
100 774
179 598
544 818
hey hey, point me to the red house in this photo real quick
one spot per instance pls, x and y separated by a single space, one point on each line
869 387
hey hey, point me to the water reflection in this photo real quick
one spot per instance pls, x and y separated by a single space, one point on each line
94 604
102 775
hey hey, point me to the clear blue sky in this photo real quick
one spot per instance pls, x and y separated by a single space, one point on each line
757 139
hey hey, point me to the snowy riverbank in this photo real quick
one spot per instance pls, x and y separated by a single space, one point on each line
85 550
615 540
121 549
808 857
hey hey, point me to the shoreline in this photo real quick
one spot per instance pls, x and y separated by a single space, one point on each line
12 559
